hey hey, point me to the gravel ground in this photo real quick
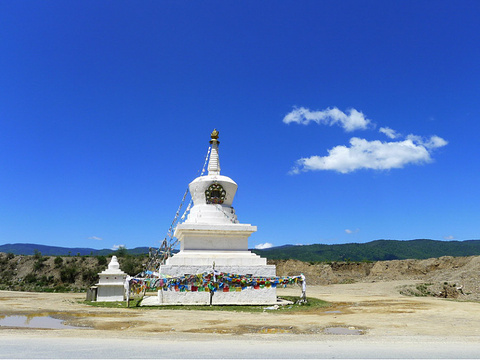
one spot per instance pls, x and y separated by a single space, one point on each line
391 326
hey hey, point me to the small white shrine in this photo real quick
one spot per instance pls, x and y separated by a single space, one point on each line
212 238
111 283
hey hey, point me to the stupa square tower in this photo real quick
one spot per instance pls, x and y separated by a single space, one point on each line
212 236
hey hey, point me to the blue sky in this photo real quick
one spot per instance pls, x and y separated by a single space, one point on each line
341 121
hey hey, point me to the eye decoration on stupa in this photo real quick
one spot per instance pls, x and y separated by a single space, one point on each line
215 194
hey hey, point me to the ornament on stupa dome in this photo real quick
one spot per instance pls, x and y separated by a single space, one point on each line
214 162
214 136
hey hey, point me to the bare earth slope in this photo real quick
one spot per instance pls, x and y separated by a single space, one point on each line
39 273
451 272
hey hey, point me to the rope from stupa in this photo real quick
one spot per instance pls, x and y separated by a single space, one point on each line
177 214
220 208
168 244
201 174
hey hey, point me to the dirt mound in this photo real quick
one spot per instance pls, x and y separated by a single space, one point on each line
441 275
324 273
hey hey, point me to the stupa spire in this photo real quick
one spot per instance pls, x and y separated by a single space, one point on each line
214 161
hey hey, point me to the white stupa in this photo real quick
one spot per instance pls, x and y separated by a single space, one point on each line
212 236
111 282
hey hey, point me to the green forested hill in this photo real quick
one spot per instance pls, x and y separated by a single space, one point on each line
30 249
374 250
371 251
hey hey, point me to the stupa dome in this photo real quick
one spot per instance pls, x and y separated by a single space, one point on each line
114 265
213 189
113 268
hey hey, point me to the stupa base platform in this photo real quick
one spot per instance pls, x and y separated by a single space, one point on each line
249 296
110 293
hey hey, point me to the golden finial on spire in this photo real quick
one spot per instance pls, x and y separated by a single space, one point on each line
214 137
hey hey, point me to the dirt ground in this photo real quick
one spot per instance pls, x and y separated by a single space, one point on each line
376 308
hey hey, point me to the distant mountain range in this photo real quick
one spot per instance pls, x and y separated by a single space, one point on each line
29 249
370 251
373 251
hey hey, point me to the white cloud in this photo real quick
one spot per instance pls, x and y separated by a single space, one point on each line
435 142
450 237
350 121
116 247
432 143
348 231
392 134
377 155
266 245
94 238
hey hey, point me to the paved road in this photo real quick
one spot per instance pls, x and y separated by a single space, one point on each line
247 347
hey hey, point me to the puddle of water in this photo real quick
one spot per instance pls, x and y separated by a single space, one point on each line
34 322
333 312
342 331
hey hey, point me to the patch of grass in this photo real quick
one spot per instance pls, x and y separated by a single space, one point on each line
418 290
38 265
423 289
348 281
89 275
61 288
30 278
68 274
107 304
101 260
311 305
58 261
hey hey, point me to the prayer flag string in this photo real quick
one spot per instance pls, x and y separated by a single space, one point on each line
210 281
